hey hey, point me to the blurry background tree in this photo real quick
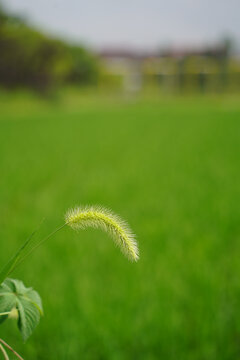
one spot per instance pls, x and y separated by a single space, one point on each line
31 59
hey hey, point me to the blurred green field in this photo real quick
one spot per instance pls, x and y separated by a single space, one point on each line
171 167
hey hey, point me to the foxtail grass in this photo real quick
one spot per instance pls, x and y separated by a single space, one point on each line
82 218
104 219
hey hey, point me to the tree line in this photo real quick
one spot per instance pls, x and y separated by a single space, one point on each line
31 59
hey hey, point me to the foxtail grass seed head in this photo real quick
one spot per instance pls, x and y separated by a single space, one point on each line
98 217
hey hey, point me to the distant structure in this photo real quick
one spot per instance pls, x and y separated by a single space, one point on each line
174 69
126 66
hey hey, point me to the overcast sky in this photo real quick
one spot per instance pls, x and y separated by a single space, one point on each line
134 23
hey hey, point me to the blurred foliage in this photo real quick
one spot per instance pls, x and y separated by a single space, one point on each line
31 59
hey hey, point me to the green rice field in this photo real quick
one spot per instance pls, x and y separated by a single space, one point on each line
168 165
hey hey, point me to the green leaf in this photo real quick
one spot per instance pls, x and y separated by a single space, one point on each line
14 294
7 300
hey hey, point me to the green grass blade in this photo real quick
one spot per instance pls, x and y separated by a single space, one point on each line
12 263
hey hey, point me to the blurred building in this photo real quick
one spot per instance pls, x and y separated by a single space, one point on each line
173 69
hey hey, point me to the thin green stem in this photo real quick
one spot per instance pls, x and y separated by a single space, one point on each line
11 349
4 313
5 355
40 243
10 266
